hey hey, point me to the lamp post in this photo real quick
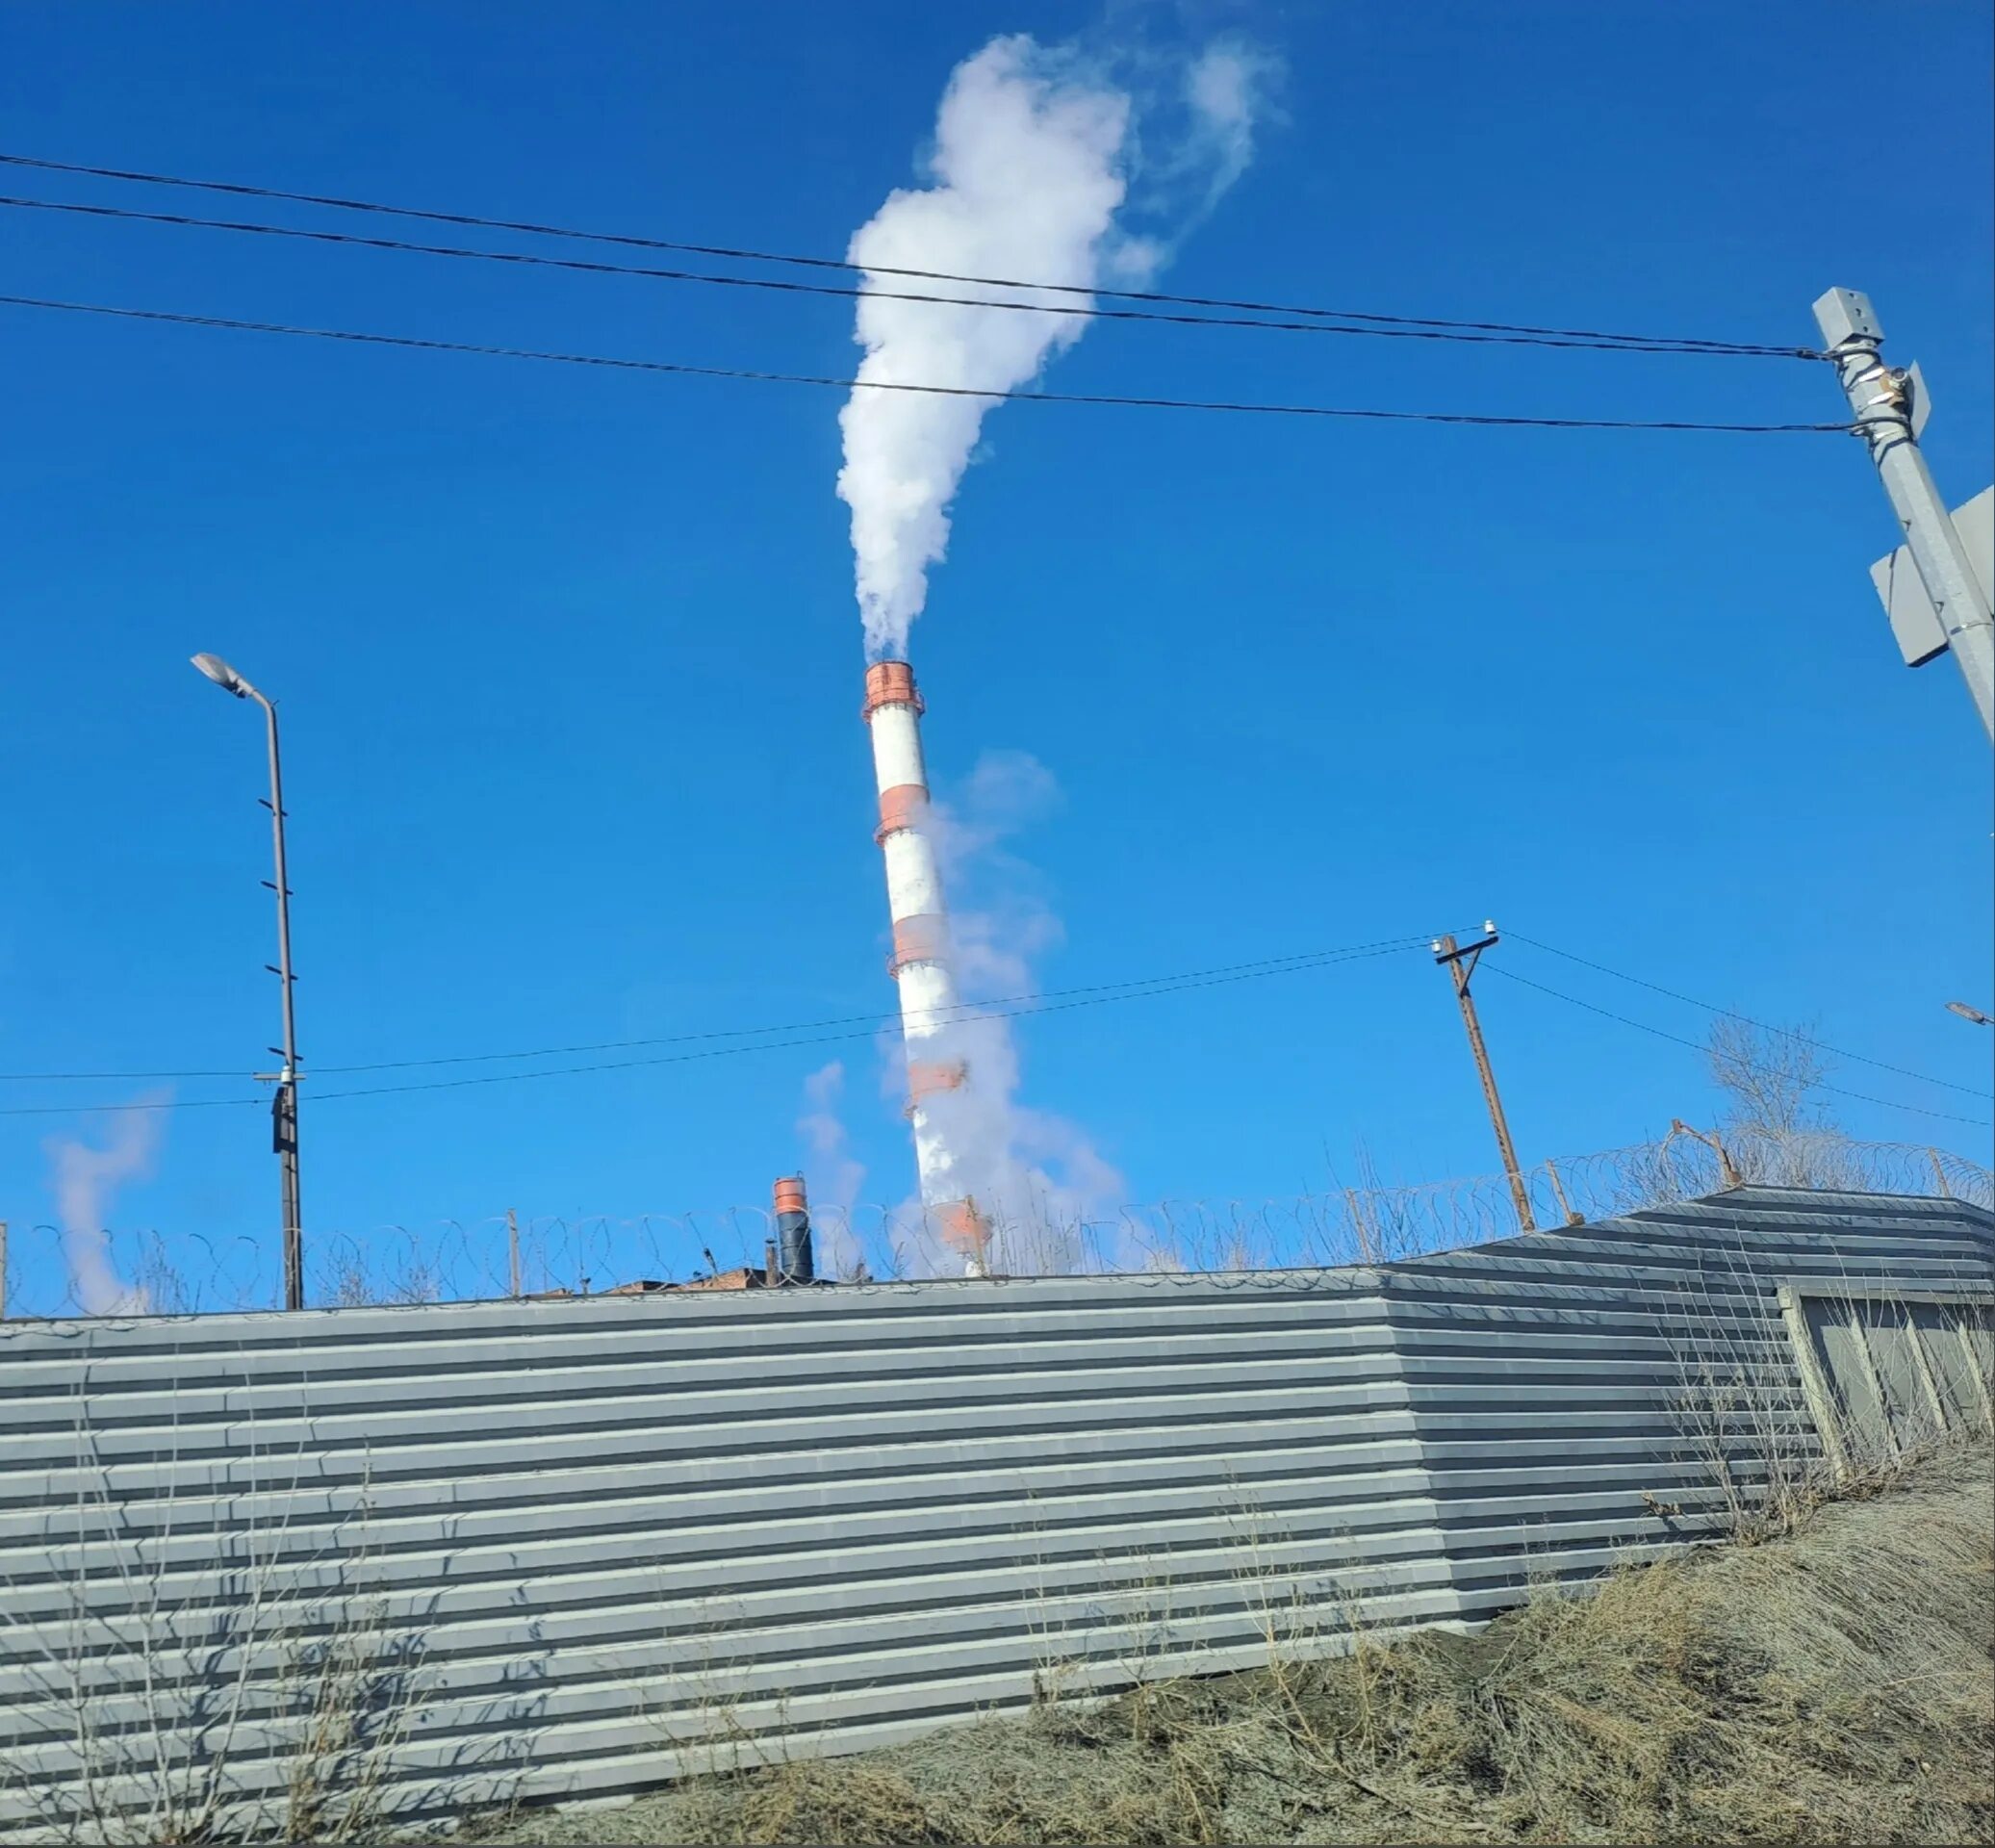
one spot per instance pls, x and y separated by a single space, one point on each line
284 1105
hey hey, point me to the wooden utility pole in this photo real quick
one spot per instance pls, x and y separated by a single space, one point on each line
1461 964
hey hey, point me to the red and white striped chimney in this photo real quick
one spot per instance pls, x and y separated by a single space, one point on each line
920 964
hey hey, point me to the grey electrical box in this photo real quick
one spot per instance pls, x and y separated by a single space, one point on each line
1841 313
1916 624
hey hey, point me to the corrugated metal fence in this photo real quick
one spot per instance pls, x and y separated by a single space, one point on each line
453 1554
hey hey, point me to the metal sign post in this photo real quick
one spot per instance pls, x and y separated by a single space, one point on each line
1934 596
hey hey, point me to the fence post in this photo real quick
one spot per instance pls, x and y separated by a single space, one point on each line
1939 1173
1558 1193
512 1250
1727 1173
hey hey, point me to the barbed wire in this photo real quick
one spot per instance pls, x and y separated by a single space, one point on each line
47 1274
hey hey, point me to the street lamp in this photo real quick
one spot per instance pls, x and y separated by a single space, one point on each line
284 1105
1974 1014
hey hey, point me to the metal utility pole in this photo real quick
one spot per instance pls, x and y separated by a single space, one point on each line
284 1105
1938 602
1461 964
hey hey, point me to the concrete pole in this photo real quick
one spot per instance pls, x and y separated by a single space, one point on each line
285 1105
1881 397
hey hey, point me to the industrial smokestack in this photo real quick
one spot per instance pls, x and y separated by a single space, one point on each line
794 1258
920 964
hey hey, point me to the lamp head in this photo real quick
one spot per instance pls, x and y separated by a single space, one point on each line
222 675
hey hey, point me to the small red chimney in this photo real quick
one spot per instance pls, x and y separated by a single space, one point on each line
794 1263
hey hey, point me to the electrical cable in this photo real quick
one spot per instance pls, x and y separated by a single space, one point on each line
1300 961
684 370
1396 946
1638 342
838 291
1786 1032
1676 1038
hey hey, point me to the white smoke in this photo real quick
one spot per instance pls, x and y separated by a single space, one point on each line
1032 156
1227 90
1001 919
86 1181
833 1176
1036 1175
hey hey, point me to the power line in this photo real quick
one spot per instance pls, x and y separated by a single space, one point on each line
1638 342
683 371
1299 962
1786 1032
1676 1038
841 291
1132 992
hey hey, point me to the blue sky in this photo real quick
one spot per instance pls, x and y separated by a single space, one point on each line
568 663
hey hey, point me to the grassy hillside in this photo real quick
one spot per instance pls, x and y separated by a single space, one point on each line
1834 1685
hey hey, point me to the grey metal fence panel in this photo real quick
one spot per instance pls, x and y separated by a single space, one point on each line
1890 1373
1948 1337
569 1548
1596 1394
575 1532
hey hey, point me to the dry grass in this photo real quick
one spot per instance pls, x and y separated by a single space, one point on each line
1836 1686
1833 1685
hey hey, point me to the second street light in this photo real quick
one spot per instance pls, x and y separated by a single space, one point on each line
284 1106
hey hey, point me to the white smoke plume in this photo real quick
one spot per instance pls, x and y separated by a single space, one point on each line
1036 153
1033 160
1228 89
85 1181
1035 1174
833 1176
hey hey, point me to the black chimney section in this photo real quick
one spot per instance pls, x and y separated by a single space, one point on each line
793 1231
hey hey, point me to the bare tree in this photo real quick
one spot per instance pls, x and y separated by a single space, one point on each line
1771 1075
1775 1125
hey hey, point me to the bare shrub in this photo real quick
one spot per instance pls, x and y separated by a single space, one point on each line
192 1680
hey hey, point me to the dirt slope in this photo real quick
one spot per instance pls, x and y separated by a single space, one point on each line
1835 1685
